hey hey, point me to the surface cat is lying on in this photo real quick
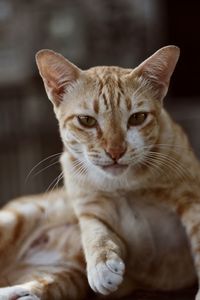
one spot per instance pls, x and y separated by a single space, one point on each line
129 215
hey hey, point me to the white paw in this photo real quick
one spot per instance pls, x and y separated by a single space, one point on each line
197 295
28 297
16 293
105 277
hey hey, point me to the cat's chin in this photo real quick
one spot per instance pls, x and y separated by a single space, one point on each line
114 169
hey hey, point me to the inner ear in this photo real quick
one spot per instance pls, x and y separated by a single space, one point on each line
57 72
158 69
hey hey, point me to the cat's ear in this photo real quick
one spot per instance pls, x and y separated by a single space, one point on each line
57 73
158 68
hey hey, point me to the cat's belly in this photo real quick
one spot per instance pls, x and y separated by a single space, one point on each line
159 253
53 245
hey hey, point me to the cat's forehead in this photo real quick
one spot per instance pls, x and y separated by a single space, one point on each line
105 85
108 74
110 80
105 90
114 85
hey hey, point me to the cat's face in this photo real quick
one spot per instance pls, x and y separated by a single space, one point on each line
108 120
109 117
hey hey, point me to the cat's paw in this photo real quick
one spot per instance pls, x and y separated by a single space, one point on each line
27 296
106 276
16 293
197 295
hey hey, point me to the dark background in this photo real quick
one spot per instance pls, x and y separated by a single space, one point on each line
88 32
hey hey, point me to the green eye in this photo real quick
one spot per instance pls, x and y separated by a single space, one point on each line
137 119
87 121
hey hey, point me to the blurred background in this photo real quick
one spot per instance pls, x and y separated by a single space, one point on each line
88 32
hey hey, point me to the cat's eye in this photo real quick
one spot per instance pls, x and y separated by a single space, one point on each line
87 121
137 119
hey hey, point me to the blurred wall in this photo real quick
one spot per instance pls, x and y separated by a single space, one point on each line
89 32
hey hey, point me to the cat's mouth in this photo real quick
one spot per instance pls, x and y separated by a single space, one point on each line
115 168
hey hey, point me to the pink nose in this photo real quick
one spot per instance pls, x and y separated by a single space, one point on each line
116 152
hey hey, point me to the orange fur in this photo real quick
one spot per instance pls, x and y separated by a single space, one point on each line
127 218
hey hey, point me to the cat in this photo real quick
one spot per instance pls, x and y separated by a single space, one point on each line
127 217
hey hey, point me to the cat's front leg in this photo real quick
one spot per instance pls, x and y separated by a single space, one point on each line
105 267
18 292
103 247
188 209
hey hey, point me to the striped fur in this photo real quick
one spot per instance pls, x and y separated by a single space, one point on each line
128 217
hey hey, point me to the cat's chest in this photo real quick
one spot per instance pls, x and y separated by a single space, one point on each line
149 225
157 247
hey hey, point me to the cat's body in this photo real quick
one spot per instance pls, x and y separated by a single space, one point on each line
131 197
157 258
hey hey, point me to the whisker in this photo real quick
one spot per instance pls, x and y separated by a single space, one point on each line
152 166
171 165
171 160
170 146
153 159
59 178
76 163
79 171
53 182
45 168
136 156
173 145
39 163
171 169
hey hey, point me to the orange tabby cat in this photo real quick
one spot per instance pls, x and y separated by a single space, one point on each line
128 217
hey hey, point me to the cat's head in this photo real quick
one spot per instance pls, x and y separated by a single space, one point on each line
109 117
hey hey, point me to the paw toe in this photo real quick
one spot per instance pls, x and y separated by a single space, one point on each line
108 278
105 277
28 297
116 266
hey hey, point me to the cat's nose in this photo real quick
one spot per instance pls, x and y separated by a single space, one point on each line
116 152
